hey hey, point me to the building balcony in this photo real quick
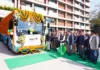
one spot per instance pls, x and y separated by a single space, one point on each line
52 4
6 3
52 24
23 7
60 23
87 15
77 5
76 19
61 6
87 3
77 12
62 0
87 9
41 1
69 16
69 25
81 7
52 14
69 1
87 21
70 9
87 27
82 27
78 0
61 15
76 26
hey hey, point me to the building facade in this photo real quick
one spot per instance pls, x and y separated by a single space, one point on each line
63 14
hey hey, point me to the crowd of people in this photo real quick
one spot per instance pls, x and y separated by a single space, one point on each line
85 45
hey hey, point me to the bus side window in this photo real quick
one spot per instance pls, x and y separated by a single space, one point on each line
11 27
11 24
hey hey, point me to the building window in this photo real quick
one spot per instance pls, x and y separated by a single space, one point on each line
52 10
55 1
61 20
62 6
70 1
39 7
69 8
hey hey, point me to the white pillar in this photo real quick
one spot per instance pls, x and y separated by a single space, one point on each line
15 4
33 8
57 24
19 4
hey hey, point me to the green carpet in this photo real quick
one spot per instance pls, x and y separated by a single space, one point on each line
31 59
76 58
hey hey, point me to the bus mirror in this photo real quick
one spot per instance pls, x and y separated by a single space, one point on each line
48 25
16 22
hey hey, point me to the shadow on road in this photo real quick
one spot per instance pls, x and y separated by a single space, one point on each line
5 51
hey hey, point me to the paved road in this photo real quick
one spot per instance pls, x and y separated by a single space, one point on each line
55 64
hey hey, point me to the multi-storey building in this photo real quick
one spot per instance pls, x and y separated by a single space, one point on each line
63 14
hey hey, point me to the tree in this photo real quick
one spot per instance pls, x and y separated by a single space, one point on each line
95 23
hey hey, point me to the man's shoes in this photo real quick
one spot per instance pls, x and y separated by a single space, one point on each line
69 54
48 50
94 63
83 59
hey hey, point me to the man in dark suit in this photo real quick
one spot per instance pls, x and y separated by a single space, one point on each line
70 40
48 40
80 42
87 46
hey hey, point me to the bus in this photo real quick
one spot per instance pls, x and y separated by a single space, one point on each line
23 31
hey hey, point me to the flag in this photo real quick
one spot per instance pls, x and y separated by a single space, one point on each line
62 49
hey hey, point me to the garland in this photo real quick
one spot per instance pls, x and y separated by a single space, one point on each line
25 15
21 39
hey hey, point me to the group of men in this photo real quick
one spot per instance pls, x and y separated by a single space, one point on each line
86 45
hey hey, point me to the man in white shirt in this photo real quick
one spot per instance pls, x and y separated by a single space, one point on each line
94 46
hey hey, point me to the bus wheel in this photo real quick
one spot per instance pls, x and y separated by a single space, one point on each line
7 44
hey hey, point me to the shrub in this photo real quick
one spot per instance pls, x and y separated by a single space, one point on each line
7 8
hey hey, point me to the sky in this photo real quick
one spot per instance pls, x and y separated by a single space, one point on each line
93 4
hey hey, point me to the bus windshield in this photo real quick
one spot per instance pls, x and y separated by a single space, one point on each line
26 25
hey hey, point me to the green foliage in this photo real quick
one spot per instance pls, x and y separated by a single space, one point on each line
95 23
7 8
1 7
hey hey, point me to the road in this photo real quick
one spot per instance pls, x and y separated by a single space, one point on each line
55 64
